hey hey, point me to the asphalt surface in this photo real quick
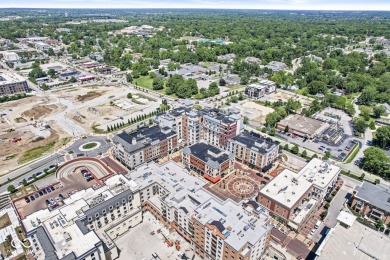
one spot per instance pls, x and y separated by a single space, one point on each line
55 158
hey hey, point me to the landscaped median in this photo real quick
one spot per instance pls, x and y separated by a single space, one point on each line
352 154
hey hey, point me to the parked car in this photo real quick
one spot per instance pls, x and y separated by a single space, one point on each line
44 191
48 190
38 173
27 199
61 196
52 201
47 202
36 195
40 193
267 178
32 198
52 188
387 232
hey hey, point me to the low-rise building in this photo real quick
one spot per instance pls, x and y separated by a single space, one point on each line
373 201
302 126
254 150
276 66
292 198
226 57
147 144
42 46
259 90
253 60
208 160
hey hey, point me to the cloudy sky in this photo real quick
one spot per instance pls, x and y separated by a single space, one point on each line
221 4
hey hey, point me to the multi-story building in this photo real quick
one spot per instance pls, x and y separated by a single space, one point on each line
208 160
217 229
145 145
219 128
212 126
86 226
259 90
373 201
254 150
11 84
293 197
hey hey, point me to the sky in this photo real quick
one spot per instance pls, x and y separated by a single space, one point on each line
381 5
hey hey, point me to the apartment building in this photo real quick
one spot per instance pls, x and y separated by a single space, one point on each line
217 229
292 198
259 90
208 160
212 126
254 150
11 84
86 226
145 145
220 127
373 201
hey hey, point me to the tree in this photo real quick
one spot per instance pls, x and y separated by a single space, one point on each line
371 125
222 82
286 129
51 72
286 147
192 85
213 89
72 80
272 118
315 87
368 95
50 52
246 120
327 155
24 182
158 83
129 96
11 188
304 154
129 78
382 138
365 112
295 149
292 105
376 161
379 111
360 125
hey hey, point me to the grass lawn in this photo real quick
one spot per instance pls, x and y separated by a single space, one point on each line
89 145
352 154
36 152
4 221
147 82
234 87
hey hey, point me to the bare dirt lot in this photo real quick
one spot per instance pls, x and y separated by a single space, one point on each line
39 111
89 96
284 95
256 112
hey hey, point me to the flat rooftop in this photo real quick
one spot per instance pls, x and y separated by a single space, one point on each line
286 188
7 77
233 222
169 175
318 172
255 142
357 242
303 124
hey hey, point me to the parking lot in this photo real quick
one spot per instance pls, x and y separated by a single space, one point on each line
51 197
338 152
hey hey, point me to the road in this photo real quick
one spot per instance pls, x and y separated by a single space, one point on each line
55 158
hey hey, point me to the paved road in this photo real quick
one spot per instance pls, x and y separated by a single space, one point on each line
55 158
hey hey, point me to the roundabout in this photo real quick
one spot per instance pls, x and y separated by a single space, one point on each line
89 146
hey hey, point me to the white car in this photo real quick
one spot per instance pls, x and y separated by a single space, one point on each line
313 231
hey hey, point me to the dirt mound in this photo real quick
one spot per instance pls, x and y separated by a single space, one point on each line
89 96
39 111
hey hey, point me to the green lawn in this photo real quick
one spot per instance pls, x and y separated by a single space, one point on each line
147 82
234 87
89 145
36 152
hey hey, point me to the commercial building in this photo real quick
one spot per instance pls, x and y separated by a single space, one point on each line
217 229
292 198
11 84
42 46
254 150
147 144
11 56
86 226
373 201
208 160
259 90
302 126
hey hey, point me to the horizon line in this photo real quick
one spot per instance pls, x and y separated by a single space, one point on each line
200 8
